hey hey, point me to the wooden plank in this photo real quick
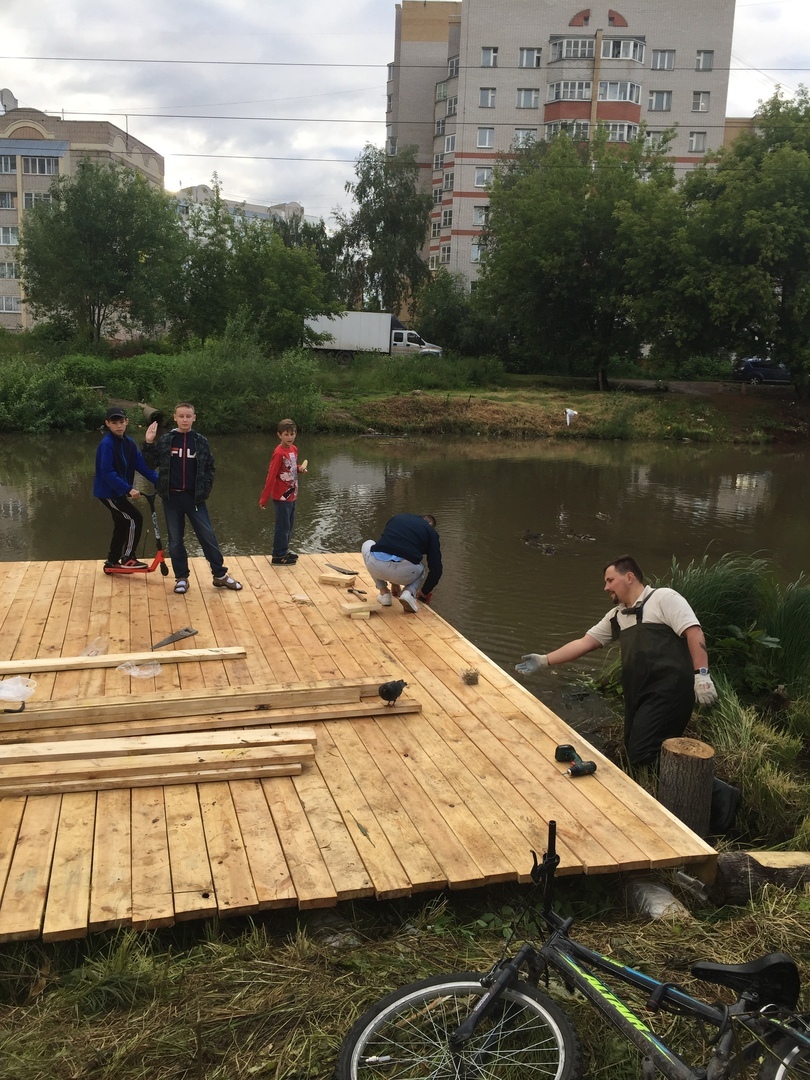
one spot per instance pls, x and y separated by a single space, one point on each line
268 867
152 902
11 812
169 724
27 883
37 773
234 699
79 663
233 880
111 881
17 753
67 909
306 862
192 882
151 779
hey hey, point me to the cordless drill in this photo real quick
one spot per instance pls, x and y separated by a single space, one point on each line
578 766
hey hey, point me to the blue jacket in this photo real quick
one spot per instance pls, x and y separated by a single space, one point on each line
411 538
117 460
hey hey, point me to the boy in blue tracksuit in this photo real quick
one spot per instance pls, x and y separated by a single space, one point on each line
117 460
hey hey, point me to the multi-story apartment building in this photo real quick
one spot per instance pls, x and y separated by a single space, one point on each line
202 195
516 72
34 148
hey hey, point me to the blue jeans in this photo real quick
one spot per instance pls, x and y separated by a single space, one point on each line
285 519
177 508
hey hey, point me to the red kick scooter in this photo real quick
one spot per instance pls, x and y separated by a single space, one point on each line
159 559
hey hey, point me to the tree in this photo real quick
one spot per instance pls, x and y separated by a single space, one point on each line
206 298
106 251
383 238
554 269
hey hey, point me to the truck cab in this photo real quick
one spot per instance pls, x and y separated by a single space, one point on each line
409 343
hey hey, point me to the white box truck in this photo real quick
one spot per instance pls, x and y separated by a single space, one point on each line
352 332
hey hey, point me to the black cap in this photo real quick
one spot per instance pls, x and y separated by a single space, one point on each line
115 412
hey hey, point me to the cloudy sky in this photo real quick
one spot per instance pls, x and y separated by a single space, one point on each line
279 97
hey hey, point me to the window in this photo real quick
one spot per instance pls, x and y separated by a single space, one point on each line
447 219
452 106
441 91
483 177
663 60
578 130
433 262
653 139
8 163
486 97
437 196
390 103
529 58
9 270
477 251
528 97
449 177
435 230
41 166
660 101
697 142
440 126
486 137
704 60
525 136
391 146
700 100
438 161
10 303
452 67
390 72
480 215
569 91
489 56
7 200
619 91
620 132
30 198
444 254
449 143
572 49
623 49
9 235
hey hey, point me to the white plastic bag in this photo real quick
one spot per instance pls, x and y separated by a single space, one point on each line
140 671
17 688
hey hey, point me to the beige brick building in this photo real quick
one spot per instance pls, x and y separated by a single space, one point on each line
471 80
34 148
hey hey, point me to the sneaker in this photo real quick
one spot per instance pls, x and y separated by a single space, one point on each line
384 598
292 555
284 560
227 582
408 601
109 567
134 564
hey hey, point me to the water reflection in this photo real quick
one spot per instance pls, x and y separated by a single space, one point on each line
588 502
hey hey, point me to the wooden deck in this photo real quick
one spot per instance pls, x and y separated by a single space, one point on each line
449 789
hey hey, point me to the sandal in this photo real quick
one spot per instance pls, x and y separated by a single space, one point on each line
181 585
227 582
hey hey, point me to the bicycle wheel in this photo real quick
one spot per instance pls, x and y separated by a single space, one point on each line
405 1036
787 1061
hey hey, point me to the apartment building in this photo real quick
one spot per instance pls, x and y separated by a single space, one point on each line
34 148
521 71
202 195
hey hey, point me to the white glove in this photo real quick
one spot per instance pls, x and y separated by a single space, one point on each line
705 690
532 661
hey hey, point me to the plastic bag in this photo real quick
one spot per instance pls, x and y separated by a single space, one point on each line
654 900
97 647
140 671
17 688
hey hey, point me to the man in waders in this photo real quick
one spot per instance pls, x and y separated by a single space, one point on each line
664 658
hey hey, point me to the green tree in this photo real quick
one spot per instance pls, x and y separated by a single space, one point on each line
107 251
382 239
207 297
554 270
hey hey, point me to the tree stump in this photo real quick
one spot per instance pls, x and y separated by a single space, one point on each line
685 775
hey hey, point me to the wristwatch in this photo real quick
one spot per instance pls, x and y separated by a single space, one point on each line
701 671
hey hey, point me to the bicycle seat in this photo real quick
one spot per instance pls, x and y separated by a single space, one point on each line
773 978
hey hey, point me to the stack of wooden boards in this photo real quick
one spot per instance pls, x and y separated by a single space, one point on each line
171 738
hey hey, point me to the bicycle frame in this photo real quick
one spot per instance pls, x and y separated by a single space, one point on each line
577 966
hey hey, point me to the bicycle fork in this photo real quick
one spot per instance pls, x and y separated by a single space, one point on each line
509 974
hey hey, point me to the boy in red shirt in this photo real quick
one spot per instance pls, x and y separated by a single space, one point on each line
281 486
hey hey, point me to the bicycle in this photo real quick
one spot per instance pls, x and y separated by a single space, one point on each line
500 1026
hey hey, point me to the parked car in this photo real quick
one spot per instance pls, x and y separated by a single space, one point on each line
758 369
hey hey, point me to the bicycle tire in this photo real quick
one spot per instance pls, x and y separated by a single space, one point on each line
787 1061
404 1036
